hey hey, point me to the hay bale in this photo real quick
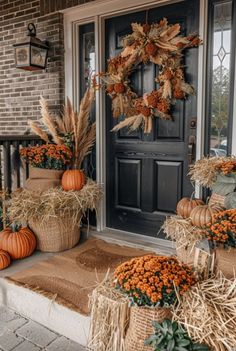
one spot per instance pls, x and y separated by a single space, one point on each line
109 319
55 202
208 312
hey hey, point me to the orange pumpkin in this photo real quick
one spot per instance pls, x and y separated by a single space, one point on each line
186 205
73 180
18 243
203 215
5 259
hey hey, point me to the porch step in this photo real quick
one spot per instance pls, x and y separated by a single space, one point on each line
40 309
157 245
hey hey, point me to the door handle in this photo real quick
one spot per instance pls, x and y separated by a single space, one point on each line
191 148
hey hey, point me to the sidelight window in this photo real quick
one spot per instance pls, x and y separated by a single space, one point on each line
221 60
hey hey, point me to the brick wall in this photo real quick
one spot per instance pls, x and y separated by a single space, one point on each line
20 90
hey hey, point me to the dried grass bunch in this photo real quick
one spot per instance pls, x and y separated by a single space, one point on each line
205 170
35 205
208 312
109 319
72 128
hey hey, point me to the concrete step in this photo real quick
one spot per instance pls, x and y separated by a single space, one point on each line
46 312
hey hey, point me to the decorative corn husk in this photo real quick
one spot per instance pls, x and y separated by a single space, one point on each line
208 312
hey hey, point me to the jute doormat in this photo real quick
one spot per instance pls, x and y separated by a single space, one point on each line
70 277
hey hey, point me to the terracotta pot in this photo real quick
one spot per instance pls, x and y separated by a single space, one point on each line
43 179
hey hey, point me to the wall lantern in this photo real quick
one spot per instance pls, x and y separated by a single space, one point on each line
32 54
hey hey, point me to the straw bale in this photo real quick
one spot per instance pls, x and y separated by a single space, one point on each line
109 319
55 202
182 232
208 312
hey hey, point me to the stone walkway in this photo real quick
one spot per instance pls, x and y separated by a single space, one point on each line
20 334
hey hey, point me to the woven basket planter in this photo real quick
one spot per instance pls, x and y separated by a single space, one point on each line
56 234
140 326
225 261
217 199
43 179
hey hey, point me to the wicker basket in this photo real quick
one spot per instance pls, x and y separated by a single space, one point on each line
217 199
140 326
225 261
55 235
43 179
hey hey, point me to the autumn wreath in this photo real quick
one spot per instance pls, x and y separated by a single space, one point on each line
161 44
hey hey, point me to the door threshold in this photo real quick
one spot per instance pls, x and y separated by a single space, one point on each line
122 238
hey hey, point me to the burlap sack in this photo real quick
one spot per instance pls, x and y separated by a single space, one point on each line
225 261
43 179
140 326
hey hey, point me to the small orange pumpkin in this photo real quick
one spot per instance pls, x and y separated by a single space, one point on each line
205 214
19 243
186 205
5 259
73 180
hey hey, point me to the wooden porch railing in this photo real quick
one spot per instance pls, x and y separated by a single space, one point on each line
12 174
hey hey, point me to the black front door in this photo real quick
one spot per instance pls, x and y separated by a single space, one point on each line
147 173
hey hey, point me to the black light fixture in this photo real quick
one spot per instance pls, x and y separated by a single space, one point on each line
32 54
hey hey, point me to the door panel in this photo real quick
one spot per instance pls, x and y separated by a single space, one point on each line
147 173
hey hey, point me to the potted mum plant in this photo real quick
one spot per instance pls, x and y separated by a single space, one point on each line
47 165
222 236
152 284
54 213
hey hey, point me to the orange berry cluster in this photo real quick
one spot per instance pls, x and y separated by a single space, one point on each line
153 280
48 156
227 167
223 230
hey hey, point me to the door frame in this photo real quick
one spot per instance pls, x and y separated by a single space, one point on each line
101 10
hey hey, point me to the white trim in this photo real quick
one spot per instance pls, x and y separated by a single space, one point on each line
201 91
233 151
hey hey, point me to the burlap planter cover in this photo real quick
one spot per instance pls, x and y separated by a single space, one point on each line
56 234
217 199
43 179
140 326
225 261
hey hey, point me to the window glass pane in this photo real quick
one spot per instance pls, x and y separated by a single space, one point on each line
86 70
220 84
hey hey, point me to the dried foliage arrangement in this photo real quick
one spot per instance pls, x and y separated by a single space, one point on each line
223 230
35 205
161 44
206 170
208 312
72 129
49 156
109 319
153 280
